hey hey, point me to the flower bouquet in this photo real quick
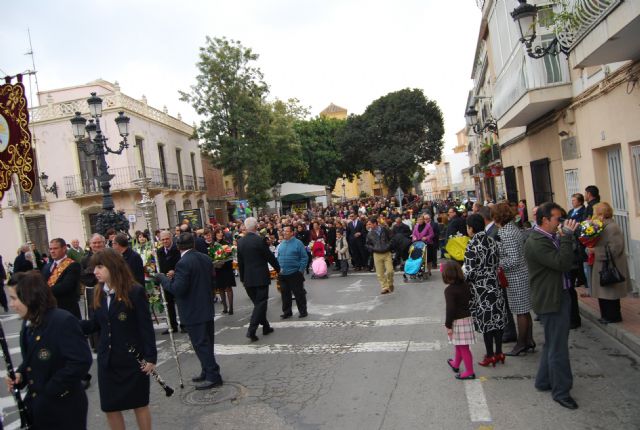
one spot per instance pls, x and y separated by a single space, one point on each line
590 231
220 254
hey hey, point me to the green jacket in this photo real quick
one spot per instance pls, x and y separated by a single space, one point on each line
547 265
76 255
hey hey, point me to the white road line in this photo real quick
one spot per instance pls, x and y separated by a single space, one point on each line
364 323
328 348
478 409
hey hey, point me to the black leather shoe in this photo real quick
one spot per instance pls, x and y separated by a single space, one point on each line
267 330
253 337
198 378
568 403
303 315
207 385
285 316
463 378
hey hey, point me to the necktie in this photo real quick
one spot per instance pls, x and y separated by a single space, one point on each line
53 266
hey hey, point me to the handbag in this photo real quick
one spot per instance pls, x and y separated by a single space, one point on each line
502 278
610 275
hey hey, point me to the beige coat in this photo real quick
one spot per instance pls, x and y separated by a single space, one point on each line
342 249
612 236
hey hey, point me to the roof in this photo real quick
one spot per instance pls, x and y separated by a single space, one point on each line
333 109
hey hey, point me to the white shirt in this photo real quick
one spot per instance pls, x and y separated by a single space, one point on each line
488 226
108 291
184 252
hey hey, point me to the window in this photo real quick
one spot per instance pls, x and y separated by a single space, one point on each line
163 166
572 184
172 215
179 161
193 170
551 62
186 205
139 145
635 166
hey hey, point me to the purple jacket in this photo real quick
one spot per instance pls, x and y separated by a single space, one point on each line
427 233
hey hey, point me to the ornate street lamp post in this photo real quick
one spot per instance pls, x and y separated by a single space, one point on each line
96 144
344 188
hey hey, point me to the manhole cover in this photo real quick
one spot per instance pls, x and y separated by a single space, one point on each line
227 393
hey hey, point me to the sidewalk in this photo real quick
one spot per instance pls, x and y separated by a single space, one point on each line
628 331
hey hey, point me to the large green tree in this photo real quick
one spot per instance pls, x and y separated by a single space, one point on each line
395 135
229 94
320 152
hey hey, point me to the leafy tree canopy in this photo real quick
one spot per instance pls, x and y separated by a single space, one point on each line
320 152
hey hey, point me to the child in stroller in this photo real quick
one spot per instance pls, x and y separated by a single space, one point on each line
318 265
414 266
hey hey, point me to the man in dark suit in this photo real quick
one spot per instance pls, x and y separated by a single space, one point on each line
20 263
3 277
96 244
168 257
356 239
63 277
133 259
253 256
192 286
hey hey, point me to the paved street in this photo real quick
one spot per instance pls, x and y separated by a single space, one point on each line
365 361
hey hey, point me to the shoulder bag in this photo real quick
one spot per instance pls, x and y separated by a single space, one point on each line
610 275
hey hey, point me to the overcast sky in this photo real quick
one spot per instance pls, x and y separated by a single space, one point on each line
343 51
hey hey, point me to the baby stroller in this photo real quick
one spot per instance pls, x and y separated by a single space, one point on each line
414 266
318 265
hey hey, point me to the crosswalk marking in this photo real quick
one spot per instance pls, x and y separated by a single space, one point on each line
476 401
337 348
363 323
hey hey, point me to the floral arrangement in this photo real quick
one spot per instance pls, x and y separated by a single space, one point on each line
590 231
220 254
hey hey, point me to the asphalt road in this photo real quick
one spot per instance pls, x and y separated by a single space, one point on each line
366 361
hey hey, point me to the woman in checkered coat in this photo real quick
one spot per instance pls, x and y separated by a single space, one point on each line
511 248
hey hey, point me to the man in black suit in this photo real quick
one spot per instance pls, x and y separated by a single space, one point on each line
20 263
168 257
3 277
356 239
192 286
63 277
253 256
96 244
133 259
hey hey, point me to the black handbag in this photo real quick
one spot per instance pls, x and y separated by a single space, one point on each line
610 274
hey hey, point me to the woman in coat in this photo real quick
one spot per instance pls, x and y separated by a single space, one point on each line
225 278
123 319
487 302
55 357
512 262
423 232
609 296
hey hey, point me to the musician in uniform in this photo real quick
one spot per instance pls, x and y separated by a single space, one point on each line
55 357
122 316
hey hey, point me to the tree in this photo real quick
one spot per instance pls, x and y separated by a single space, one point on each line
320 152
229 93
396 134
287 161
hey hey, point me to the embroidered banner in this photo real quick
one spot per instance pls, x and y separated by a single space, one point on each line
16 153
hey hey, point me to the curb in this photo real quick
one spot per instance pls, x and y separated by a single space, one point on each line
628 339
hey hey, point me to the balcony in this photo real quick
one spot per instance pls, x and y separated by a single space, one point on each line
77 186
608 31
188 183
527 88
26 199
202 185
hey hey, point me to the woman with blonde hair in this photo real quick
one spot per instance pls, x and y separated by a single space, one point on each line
123 319
612 242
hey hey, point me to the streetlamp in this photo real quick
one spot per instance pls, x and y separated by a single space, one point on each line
471 115
344 188
96 144
53 189
275 191
525 15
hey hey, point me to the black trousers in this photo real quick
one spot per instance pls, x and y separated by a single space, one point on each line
171 310
509 329
259 297
575 319
358 252
201 336
3 297
610 310
293 283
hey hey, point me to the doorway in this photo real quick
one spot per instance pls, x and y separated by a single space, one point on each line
37 227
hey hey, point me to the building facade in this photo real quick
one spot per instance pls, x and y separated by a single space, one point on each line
160 147
569 121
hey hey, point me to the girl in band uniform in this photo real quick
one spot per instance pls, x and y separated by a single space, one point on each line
55 356
122 317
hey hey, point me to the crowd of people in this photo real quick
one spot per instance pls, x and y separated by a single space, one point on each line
511 265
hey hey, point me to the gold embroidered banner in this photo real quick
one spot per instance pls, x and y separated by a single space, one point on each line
16 153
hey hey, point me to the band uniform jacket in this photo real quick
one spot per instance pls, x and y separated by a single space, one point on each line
122 384
66 290
192 286
253 256
55 357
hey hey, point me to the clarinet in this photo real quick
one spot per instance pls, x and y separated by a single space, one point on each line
22 409
142 362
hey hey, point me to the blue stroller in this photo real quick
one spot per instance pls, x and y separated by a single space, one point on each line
414 266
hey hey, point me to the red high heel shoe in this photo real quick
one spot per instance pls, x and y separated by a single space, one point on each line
500 358
488 360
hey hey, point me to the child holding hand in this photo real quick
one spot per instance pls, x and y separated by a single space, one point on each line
458 321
